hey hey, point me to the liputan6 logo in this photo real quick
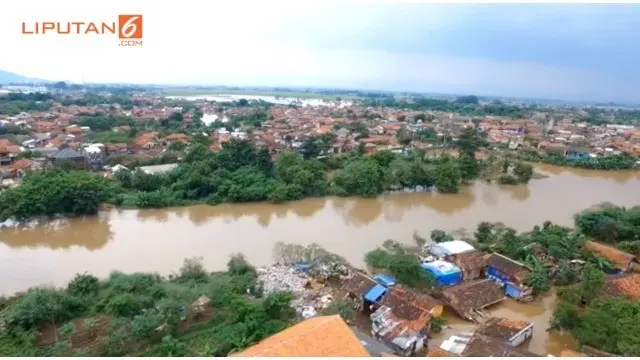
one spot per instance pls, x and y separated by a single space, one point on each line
128 29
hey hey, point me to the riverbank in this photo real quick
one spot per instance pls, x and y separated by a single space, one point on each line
348 226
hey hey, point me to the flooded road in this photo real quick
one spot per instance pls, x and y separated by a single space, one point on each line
159 240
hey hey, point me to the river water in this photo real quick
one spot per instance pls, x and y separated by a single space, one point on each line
159 240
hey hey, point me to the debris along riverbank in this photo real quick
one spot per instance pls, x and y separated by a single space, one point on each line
304 271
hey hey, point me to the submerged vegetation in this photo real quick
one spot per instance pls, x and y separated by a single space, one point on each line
242 172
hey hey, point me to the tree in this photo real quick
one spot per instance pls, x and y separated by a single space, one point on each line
361 177
565 317
523 172
401 265
591 285
469 168
439 236
83 285
539 279
437 324
446 177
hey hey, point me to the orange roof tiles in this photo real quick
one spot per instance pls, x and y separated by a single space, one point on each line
20 164
627 285
617 257
436 351
318 336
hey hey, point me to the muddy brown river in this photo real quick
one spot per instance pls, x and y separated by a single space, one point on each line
159 240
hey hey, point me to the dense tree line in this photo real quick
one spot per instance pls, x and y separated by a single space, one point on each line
242 172
148 315
54 193
15 103
613 225
467 106
616 162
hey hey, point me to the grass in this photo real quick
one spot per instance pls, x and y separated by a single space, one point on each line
293 94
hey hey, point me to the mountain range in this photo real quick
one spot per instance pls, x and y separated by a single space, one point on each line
12 78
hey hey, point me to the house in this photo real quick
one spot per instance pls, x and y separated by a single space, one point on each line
172 138
446 273
623 285
467 299
578 153
20 167
513 333
158 169
621 260
145 141
510 274
410 305
472 264
8 152
447 248
314 337
357 286
482 346
67 154
405 337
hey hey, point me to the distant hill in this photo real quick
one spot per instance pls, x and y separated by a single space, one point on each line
11 78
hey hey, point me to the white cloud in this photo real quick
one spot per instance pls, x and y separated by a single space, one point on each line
215 42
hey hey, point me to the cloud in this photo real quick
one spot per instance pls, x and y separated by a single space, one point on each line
567 51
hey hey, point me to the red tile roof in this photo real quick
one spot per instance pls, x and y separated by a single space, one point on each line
617 257
318 336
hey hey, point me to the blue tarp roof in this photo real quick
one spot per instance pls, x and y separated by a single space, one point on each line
385 280
375 293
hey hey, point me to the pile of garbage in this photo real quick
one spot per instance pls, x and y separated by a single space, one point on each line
308 301
282 278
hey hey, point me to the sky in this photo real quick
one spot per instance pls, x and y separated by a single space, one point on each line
570 51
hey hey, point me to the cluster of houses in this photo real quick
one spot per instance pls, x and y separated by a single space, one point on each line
393 320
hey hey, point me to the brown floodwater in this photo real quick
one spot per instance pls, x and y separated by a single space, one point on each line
538 312
159 240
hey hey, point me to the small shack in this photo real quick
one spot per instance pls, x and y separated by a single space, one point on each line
446 273
469 298
512 332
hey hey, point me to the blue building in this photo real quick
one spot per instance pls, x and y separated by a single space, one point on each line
578 154
510 274
446 273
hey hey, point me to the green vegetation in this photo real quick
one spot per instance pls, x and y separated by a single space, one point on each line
467 105
611 224
144 314
239 172
402 264
616 162
54 193
15 103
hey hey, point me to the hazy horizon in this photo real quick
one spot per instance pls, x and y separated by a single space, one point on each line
569 52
